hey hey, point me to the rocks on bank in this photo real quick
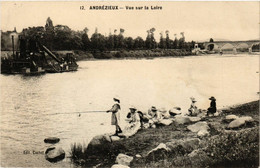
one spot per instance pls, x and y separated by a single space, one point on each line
183 119
52 140
123 161
100 139
236 148
174 148
181 144
201 128
237 122
54 154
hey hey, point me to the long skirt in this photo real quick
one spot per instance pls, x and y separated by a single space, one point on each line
114 120
212 110
132 128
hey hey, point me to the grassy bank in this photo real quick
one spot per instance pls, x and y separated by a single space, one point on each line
122 54
234 148
137 54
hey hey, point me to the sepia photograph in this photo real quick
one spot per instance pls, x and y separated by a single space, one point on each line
110 84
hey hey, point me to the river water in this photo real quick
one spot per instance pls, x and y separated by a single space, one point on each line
29 103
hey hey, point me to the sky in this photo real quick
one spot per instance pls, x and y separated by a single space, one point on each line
198 20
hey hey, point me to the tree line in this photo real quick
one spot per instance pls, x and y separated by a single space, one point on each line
61 37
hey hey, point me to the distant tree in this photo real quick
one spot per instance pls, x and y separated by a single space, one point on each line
85 40
188 46
139 43
129 43
76 40
85 30
110 42
49 35
171 44
192 44
175 42
67 39
167 39
122 31
49 24
4 41
154 44
162 43
150 42
115 37
181 41
34 33
120 39
211 40
62 38
98 41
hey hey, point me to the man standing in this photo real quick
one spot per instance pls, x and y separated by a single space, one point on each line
114 119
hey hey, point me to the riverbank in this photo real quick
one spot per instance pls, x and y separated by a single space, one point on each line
136 54
223 146
124 54
128 54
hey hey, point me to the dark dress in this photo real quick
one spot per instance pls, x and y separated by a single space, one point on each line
212 109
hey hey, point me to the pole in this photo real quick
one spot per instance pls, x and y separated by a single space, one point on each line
13 45
79 112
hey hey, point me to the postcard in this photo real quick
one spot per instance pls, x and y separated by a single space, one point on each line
129 84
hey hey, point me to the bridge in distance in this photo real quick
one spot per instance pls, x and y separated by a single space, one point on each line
231 45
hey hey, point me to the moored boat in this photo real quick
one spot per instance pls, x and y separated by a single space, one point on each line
33 58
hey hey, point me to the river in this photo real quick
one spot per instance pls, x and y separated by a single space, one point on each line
29 103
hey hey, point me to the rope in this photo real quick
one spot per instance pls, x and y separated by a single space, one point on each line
78 112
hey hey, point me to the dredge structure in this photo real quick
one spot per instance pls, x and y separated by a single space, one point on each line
32 58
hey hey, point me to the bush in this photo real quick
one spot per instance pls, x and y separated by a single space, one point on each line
102 55
235 147
122 54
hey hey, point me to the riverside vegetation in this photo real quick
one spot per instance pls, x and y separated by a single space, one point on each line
61 38
224 146
137 54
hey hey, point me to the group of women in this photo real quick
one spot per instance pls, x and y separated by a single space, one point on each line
137 120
